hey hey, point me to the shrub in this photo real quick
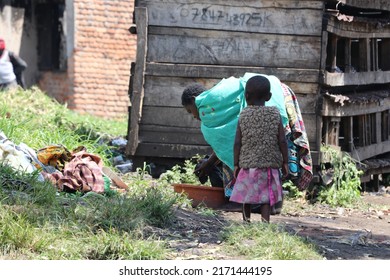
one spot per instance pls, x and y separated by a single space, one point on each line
344 188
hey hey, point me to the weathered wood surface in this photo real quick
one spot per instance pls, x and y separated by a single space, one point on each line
307 103
224 71
385 125
187 42
171 150
368 4
167 91
168 116
323 58
179 118
348 55
348 134
331 108
384 56
357 30
362 153
233 48
138 80
188 151
378 127
173 135
364 55
360 78
310 121
283 17
155 133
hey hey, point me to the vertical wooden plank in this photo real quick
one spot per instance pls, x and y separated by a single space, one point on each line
378 127
385 54
130 93
384 126
332 127
336 133
141 19
375 182
362 126
348 133
388 124
333 52
368 131
324 57
318 141
364 55
131 80
348 55
325 123
374 54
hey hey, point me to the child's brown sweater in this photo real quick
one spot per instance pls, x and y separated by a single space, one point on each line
259 144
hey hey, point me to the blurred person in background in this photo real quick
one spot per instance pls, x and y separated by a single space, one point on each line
11 68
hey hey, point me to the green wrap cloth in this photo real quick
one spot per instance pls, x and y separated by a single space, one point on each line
220 107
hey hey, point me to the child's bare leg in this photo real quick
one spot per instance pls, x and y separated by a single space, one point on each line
246 212
265 210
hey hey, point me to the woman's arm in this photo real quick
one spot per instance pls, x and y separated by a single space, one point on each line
237 148
18 63
207 165
283 149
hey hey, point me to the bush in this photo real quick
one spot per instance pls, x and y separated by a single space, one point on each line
344 189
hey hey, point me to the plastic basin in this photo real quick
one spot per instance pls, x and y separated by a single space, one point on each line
211 197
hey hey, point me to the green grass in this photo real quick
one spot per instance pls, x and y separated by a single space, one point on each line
264 241
33 118
38 222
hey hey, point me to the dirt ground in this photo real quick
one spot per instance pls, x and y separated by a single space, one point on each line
338 233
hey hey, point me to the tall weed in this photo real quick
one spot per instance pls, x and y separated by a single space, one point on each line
344 189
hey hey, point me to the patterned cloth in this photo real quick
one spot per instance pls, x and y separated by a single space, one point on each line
300 162
228 180
82 173
258 186
55 156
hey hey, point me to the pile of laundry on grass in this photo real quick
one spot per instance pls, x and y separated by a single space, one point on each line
70 171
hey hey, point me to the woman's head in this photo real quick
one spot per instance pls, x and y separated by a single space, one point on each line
2 46
188 98
257 89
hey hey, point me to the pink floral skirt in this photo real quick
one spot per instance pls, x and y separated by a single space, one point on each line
257 186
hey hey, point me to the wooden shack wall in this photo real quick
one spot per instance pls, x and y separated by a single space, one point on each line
204 41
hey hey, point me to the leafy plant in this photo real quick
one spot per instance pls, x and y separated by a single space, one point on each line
344 188
183 174
293 191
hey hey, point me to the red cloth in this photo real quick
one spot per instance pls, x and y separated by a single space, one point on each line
82 173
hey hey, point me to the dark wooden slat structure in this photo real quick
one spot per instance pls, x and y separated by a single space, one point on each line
335 55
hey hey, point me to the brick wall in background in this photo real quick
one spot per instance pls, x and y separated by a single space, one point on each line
56 85
97 76
59 85
103 52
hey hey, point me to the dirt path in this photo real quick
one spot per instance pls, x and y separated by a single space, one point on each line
338 233
344 233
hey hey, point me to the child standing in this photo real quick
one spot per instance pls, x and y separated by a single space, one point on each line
260 150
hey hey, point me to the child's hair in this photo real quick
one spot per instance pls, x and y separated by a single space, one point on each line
257 87
191 91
